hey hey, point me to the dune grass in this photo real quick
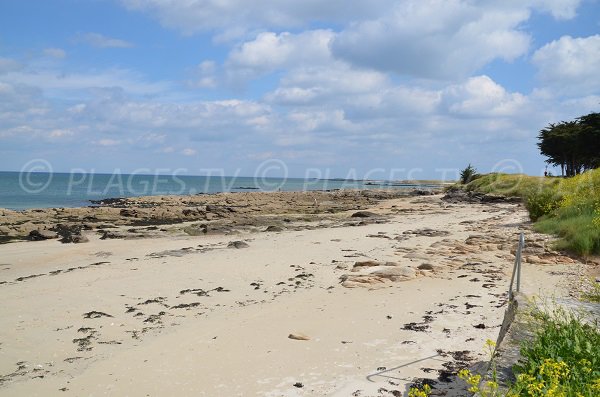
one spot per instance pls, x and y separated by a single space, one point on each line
566 207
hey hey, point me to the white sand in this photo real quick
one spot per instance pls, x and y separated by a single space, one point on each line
236 342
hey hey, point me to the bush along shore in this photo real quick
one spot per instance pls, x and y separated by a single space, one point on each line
566 207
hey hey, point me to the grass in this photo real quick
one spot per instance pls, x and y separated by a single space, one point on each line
591 291
566 207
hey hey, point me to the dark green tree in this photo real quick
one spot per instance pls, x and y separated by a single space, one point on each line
562 144
467 174
590 139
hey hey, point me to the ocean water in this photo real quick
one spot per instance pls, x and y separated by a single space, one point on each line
46 190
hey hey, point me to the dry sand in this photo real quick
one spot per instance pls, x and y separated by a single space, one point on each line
336 306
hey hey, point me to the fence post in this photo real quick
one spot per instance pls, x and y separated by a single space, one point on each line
520 249
517 267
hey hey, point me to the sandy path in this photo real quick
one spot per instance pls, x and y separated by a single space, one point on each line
191 316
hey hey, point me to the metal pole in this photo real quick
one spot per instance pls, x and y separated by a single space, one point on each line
520 249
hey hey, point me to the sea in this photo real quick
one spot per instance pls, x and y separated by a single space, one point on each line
20 191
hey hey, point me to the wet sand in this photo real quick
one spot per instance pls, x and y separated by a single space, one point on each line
274 301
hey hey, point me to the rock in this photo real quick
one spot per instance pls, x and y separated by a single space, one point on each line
421 192
196 230
298 336
273 228
193 212
364 264
397 273
39 235
128 213
69 233
367 264
362 281
77 239
426 266
237 245
363 214
110 235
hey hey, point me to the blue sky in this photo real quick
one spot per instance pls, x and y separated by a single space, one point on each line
379 88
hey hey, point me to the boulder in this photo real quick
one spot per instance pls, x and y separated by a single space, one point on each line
39 235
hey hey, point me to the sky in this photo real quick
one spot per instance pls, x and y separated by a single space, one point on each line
377 89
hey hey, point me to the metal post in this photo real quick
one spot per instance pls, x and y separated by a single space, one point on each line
521 245
517 267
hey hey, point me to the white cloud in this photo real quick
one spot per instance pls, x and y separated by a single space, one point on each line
560 9
328 83
271 51
58 53
482 97
435 38
100 41
570 65
189 152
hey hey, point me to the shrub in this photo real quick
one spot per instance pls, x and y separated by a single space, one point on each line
562 360
467 174
541 203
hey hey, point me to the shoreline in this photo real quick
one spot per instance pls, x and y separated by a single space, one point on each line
407 290
69 223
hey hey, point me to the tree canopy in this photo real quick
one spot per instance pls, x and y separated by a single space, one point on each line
572 145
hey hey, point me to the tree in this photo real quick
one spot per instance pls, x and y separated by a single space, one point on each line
467 174
590 139
562 143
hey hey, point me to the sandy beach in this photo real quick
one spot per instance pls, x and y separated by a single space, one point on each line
262 294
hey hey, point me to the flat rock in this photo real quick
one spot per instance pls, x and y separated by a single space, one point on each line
273 228
362 281
397 273
364 214
237 244
359 265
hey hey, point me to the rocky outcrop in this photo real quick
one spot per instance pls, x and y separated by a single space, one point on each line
375 274
455 196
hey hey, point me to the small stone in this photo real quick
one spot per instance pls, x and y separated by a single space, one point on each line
298 337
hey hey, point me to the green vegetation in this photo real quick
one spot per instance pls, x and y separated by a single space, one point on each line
562 360
572 212
468 174
572 145
591 290
566 207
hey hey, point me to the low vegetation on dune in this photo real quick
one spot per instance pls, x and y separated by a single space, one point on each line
566 207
